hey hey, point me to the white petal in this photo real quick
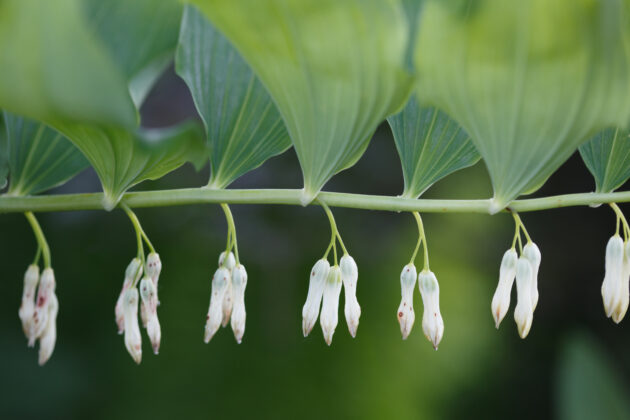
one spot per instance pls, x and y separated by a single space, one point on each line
350 276
524 311
239 282
27 307
40 314
612 284
406 316
220 281
432 323
501 299
49 337
310 310
532 253
133 340
329 316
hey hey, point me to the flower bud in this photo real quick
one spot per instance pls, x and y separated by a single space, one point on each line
227 305
239 282
406 315
330 305
612 284
49 336
228 263
310 310
220 282
40 314
27 307
133 341
154 268
524 311
148 312
132 275
432 323
532 253
349 276
622 306
501 298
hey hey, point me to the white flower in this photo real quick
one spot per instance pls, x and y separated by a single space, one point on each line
524 311
149 311
406 315
350 275
239 282
310 310
220 280
501 298
432 323
40 316
154 268
228 302
330 305
27 307
612 284
49 336
133 341
532 253
132 275
622 305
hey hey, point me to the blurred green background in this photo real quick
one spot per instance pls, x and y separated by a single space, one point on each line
573 365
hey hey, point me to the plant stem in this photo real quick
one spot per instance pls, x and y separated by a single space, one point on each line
187 196
39 236
138 228
231 231
421 238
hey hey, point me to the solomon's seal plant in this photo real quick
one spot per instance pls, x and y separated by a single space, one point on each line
521 85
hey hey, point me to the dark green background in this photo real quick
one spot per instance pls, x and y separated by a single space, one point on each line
574 364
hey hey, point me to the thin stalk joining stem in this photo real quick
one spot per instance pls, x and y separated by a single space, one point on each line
39 236
138 229
231 231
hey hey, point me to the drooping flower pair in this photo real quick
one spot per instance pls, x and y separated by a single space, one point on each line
126 310
227 298
432 322
525 270
38 313
324 290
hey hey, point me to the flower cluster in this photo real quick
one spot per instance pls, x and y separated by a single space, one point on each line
126 309
525 270
38 313
324 289
432 323
227 298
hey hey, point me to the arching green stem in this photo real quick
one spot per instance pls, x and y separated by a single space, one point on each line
231 232
138 229
422 238
622 218
41 239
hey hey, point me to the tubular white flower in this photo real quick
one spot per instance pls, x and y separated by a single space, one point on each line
148 310
611 286
133 340
329 316
501 299
349 276
40 315
310 310
132 275
154 268
406 315
220 280
228 303
532 253
27 307
239 282
622 305
524 311
432 323
49 336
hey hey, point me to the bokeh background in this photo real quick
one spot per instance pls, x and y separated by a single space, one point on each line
573 365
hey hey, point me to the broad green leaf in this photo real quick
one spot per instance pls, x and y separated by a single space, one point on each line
607 156
243 126
123 158
588 385
4 153
54 68
528 80
140 36
430 146
39 157
334 68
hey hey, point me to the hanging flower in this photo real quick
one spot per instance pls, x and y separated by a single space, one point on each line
349 276
406 315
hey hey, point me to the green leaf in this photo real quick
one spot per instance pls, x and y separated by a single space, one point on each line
123 159
4 153
140 36
334 68
588 385
529 81
39 157
607 156
54 68
430 146
243 126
